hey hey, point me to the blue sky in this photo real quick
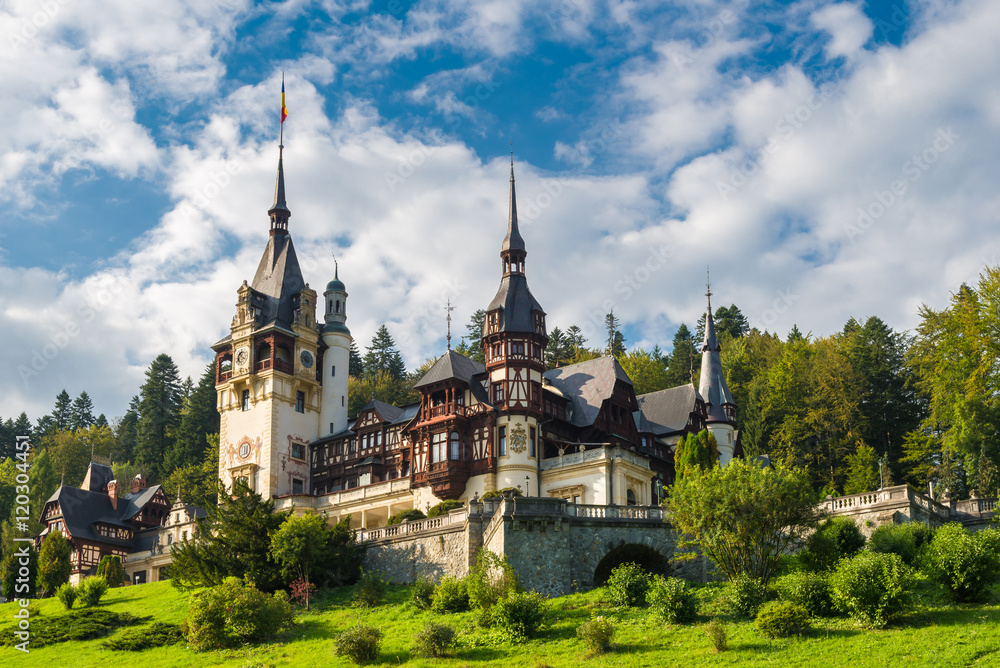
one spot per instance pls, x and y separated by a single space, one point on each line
828 160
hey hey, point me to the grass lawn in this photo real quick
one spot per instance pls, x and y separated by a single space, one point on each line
936 634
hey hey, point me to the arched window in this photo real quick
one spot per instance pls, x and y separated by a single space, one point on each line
456 445
630 498
338 306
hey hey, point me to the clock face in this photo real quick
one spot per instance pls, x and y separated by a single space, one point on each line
242 355
244 450
306 358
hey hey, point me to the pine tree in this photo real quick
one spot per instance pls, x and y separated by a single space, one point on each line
159 414
382 355
187 387
54 565
473 339
101 421
81 413
356 367
679 364
558 351
7 439
62 411
125 432
616 340
199 419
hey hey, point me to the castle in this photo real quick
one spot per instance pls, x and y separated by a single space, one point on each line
577 432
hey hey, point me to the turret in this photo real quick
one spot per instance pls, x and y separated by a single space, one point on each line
721 420
337 359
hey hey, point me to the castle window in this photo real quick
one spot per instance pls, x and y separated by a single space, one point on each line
438 444
531 442
298 451
298 486
333 372
498 393
246 400
503 441
338 306
630 498
378 439
300 402
456 445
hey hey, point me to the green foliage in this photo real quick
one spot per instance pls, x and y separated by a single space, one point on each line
370 590
647 373
451 595
746 596
908 540
235 613
498 493
780 619
54 563
672 600
160 402
110 568
716 632
233 541
410 514
596 635
834 539
444 507
434 640
699 450
967 564
66 593
810 590
199 419
518 616
9 568
742 516
359 643
300 548
73 626
862 471
422 594
627 586
91 590
490 580
139 638
871 587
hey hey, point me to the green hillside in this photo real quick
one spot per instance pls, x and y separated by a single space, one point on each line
939 636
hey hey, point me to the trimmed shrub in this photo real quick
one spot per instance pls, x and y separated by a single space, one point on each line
834 539
359 643
871 587
907 540
235 613
967 564
746 595
91 591
67 595
110 568
498 493
409 515
490 580
370 589
780 619
139 638
445 507
434 640
451 595
716 632
54 563
518 616
810 590
672 600
627 586
422 594
596 635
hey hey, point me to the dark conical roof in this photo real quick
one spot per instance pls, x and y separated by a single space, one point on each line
513 240
712 386
279 279
279 186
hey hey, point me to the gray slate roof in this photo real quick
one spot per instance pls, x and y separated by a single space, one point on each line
387 412
517 303
97 477
278 280
449 366
587 385
668 411
712 386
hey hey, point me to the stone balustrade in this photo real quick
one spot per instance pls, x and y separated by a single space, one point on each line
595 454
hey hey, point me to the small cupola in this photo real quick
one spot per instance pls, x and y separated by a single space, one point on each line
335 298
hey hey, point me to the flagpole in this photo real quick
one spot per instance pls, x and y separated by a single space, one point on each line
281 121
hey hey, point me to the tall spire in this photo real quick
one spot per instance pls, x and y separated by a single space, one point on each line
279 212
512 252
712 385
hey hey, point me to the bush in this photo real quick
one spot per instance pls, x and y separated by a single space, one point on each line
716 632
490 580
518 616
369 590
966 564
91 591
834 539
67 594
746 595
810 590
359 643
444 507
780 619
434 640
54 563
596 635
498 493
408 515
871 587
137 639
906 540
451 595
627 586
110 568
671 600
422 594
234 613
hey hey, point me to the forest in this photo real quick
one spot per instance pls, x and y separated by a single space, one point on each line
861 408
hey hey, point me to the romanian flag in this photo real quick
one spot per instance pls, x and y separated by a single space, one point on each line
284 110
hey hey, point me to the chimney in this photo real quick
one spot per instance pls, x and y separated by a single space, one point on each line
138 484
113 493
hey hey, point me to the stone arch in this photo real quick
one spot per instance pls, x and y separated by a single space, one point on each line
649 558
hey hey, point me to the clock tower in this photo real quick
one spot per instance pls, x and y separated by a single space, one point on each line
268 370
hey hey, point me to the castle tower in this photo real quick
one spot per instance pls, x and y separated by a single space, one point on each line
266 377
336 358
721 420
513 342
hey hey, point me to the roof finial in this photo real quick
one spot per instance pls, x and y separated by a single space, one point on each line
449 308
512 154
336 267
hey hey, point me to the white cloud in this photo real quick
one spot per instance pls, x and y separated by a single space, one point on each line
848 26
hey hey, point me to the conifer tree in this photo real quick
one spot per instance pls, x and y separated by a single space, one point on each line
199 418
159 414
616 340
54 565
382 355
81 413
679 364
126 432
356 367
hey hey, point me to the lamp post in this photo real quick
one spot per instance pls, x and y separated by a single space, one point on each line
527 486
